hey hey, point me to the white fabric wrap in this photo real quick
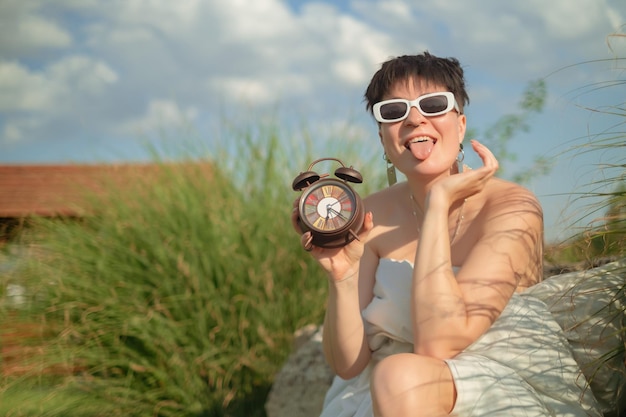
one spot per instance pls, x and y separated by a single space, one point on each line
590 307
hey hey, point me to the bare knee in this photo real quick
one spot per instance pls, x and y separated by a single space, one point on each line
390 376
409 384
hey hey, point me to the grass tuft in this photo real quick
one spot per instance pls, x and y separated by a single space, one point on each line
178 296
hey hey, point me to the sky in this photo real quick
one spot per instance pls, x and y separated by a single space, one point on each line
85 81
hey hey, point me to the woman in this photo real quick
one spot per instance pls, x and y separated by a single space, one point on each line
424 315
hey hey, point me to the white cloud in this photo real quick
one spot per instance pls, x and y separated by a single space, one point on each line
511 39
19 129
37 32
129 35
160 114
255 21
562 21
340 48
82 75
54 87
24 31
11 134
259 91
397 9
261 51
108 59
53 102
21 89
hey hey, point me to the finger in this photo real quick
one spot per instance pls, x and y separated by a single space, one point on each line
483 151
490 163
307 241
488 158
368 224
295 218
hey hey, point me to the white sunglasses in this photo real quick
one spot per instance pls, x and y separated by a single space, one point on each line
396 109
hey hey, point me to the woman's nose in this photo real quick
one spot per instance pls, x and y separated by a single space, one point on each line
414 117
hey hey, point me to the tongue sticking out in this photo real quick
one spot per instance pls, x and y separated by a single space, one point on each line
421 149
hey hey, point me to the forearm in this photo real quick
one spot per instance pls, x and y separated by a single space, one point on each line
345 344
439 311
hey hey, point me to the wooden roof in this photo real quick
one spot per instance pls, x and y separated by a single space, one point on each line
59 190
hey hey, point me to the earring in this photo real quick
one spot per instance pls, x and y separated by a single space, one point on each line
460 158
391 170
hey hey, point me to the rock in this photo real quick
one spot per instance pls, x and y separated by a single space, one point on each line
300 386
551 268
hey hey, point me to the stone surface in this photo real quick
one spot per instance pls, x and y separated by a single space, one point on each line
300 386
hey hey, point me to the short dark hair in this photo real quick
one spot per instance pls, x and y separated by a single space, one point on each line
446 72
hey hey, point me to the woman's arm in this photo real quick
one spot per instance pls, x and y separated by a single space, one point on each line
345 344
351 270
451 312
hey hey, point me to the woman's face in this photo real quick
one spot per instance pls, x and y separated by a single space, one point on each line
428 145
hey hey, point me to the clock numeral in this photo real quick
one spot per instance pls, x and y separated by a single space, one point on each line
320 223
328 191
311 200
343 197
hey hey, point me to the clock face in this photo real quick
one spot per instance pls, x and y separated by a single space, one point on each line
328 206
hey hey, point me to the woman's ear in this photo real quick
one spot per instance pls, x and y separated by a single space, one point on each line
462 123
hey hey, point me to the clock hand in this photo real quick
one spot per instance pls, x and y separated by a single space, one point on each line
329 208
337 213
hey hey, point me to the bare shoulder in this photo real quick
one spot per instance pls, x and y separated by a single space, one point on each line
511 220
391 237
505 197
378 202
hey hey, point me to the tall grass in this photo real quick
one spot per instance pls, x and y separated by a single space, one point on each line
602 219
600 234
177 296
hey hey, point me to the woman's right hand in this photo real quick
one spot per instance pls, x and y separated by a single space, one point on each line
341 262
468 183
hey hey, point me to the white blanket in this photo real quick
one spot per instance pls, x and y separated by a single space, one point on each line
525 365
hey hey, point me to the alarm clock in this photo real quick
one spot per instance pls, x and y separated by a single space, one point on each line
328 207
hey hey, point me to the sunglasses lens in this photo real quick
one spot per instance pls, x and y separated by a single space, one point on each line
434 104
393 111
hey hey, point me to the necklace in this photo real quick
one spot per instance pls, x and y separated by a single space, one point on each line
459 219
